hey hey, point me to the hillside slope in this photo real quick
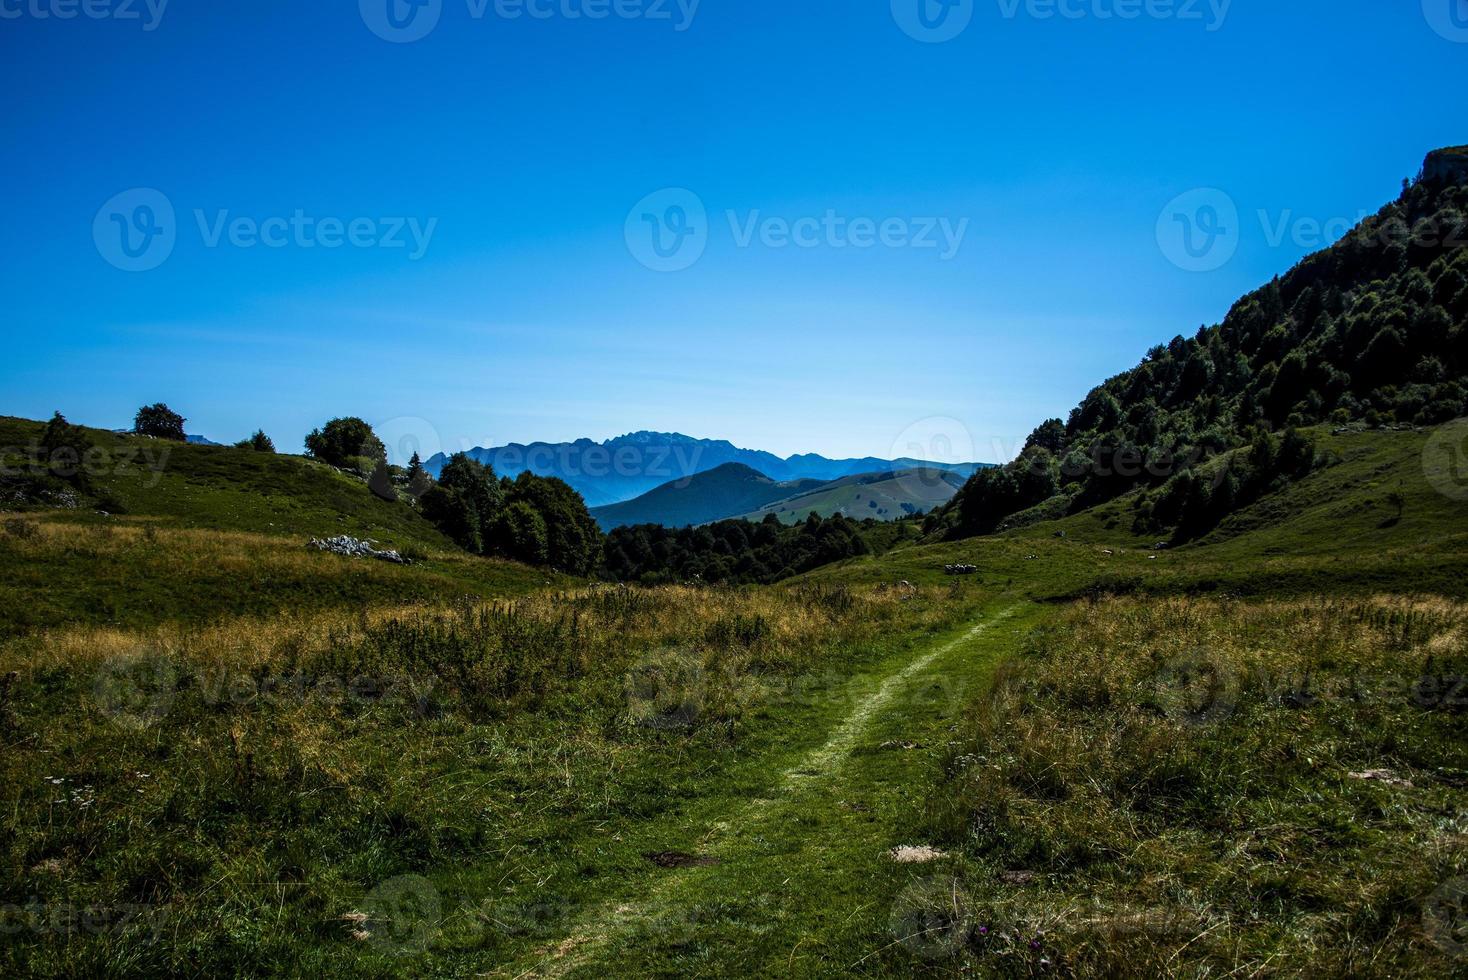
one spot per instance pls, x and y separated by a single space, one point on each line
190 533
1373 329
709 496
1337 530
883 496
227 489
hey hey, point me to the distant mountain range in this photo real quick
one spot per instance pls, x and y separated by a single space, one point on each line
883 496
629 466
723 491
737 491
191 440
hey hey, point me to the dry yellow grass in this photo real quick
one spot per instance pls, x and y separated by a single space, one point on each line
1196 786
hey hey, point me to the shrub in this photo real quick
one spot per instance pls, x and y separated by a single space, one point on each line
380 483
160 422
18 527
342 442
65 448
519 532
455 516
259 442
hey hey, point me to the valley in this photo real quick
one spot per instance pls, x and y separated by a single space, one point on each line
400 787
1195 706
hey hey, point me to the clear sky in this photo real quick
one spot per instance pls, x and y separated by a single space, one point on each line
982 204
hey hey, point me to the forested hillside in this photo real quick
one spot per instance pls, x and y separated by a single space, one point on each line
722 492
743 552
1372 331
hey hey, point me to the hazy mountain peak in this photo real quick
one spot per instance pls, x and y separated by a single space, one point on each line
628 466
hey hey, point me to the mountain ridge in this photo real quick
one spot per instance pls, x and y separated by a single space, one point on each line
626 467
712 495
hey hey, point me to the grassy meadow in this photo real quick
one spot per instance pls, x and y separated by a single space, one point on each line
227 754
232 797
1193 787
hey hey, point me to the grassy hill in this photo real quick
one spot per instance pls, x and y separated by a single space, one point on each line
709 496
288 761
1335 530
195 532
883 496
1372 329
737 492
1243 755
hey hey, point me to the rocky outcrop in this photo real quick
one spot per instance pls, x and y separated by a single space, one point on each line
1449 164
349 547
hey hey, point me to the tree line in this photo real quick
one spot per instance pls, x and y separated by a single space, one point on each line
1372 331
735 552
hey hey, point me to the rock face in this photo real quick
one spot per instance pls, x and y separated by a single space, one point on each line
1449 164
349 547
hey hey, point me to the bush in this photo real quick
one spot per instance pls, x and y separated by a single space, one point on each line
259 442
18 527
65 448
519 533
160 422
343 442
573 538
453 514
380 483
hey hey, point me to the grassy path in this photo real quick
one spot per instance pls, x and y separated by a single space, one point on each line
801 884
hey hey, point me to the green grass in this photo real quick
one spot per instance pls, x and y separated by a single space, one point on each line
246 786
225 489
206 531
1332 532
237 745
1192 787
885 498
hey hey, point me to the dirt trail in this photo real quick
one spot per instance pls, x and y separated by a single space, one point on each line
816 768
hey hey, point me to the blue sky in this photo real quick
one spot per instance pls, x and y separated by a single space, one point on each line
1054 134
